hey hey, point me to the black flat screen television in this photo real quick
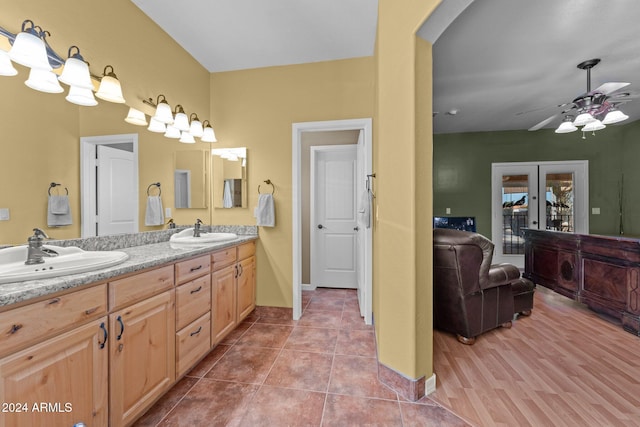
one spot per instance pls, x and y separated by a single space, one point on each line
465 223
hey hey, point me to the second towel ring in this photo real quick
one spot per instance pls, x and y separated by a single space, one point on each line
268 182
154 184
53 184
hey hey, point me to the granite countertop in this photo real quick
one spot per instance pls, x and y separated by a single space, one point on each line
140 258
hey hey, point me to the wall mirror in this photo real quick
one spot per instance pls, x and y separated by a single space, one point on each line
190 179
229 171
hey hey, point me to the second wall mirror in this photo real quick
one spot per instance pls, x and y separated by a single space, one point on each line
229 172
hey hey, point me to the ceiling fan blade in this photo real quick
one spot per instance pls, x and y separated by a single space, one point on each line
543 123
609 87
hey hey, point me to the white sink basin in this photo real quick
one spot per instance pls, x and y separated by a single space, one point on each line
185 237
69 260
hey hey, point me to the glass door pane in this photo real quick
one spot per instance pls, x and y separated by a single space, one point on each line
559 195
515 212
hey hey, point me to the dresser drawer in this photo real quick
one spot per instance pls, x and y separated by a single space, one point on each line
192 343
40 320
246 250
223 258
192 268
126 291
193 299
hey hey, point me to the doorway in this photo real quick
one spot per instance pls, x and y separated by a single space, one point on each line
109 184
538 195
364 240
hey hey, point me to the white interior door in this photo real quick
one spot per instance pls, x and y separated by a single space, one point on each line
333 216
538 195
117 198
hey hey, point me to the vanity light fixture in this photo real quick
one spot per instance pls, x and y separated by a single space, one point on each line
163 112
43 81
187 138
81 96
196 129
172 132
208 134
180 120
156 126
29 48
136 117
110 89
76 71
6 67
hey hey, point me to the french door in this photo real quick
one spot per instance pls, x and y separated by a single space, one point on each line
538 195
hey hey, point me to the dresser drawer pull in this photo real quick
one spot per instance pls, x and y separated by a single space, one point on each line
195 268
196 290
90 311
14 329
54 301
105 334
119 320
196 332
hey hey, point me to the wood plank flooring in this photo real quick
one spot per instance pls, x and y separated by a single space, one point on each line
563 366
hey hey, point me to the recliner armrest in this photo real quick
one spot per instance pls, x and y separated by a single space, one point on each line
501 274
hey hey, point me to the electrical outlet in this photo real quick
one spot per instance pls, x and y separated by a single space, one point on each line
447 211
4 214
595 211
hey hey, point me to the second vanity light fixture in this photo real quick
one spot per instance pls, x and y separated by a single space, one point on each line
31 49
174 124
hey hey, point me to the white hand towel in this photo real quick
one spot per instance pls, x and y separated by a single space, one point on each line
265 211
58 211
154 214
364 210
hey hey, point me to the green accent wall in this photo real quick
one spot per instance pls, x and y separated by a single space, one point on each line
462 171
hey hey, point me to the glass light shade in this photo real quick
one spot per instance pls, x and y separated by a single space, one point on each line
583 119
172 132
187 138
81 96
76 73
29 50
593 126
110 90
196 128
614 116
208 134
136 117
566 127
44 81
181 121
6 67
156 126
163 113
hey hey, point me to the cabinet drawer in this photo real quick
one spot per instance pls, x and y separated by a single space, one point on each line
123 292
192 342
223 258
193 299
192 268
246 250
36 321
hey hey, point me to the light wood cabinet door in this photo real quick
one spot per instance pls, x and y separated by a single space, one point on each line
223 302
58 382
142 350
246 287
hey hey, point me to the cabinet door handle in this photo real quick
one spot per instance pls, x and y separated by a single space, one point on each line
105 335
196 290
195 268
119 320
54 301
236 276
241 269
196 332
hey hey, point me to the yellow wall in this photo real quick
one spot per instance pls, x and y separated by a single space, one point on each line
402 311
255 109
41 132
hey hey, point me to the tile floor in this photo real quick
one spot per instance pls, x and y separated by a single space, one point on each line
318 371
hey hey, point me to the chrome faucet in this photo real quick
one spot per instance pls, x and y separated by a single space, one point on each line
196 228
35 252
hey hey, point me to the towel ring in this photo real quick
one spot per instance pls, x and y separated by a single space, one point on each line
53 184
268 182
154 184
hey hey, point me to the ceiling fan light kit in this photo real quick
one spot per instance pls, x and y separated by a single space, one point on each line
595 109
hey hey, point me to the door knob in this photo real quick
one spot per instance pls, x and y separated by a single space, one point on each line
356 228
535 222
320 226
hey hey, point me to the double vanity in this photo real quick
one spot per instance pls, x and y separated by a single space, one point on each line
101 346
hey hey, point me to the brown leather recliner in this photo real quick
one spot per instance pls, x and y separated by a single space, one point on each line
470 295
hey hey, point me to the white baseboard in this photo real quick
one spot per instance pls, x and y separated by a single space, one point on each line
430 385
307 287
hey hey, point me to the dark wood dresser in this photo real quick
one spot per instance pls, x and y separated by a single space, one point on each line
599 271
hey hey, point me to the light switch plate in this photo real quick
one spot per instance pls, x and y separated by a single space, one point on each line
595 211
447 211
167 212
4 214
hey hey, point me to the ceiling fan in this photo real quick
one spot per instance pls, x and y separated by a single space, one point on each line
594 109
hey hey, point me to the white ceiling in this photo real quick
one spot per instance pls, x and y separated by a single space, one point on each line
498 61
